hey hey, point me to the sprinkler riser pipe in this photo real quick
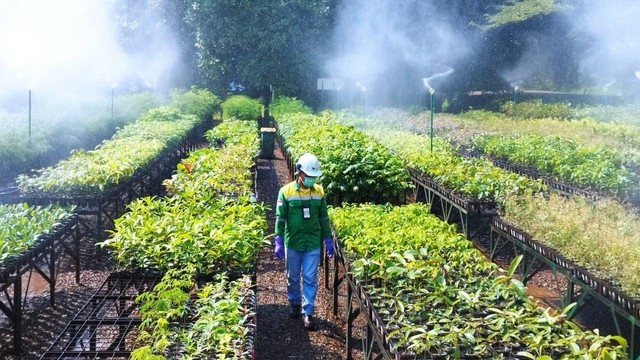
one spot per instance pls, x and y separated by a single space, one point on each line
431 120
112 105
29 114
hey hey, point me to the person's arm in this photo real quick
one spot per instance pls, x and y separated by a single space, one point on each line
281 213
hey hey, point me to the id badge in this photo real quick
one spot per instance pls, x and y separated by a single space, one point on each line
306 213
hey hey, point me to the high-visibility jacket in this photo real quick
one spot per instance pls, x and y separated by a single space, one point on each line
302 233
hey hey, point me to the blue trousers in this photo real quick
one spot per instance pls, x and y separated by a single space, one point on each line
305 263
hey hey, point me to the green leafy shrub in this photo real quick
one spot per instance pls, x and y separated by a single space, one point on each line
132 106
241 107
235 132
162 113
287 105
200 102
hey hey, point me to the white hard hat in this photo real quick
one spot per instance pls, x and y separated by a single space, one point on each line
309 165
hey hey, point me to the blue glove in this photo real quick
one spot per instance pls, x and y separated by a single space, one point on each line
328 244
278 250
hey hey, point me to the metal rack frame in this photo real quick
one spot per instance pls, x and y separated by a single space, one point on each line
471 216
100 328
42 258
538 256
106 325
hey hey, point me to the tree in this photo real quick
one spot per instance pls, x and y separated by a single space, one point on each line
244 45
513 11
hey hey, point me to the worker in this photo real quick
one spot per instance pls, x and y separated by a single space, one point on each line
302 223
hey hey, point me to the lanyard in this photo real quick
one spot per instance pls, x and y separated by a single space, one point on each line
306 208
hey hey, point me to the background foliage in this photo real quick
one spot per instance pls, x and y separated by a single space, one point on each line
282 46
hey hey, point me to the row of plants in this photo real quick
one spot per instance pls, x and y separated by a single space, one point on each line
601 236
621 138
132 148
183 321
572 226
557 221
281 105
355 168
473 178
23 226
622 114
56 130
440 297
209 219
205 237
589 167
536 109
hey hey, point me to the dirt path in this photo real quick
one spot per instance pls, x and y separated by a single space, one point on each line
278 336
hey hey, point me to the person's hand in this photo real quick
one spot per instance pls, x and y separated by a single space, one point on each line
278 250
329 246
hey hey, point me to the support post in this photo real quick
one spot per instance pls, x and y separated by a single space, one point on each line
52 274
17 315
76 245
349 319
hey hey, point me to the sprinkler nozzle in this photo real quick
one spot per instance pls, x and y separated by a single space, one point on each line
606 87
425 81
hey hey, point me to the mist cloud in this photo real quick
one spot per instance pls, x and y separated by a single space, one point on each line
392 44
614 46
71 47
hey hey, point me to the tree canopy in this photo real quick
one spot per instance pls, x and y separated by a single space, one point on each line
252 47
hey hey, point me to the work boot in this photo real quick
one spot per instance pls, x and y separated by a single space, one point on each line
308 322
294 311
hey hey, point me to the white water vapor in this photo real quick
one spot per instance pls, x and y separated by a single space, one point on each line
390 45
68 48
613 30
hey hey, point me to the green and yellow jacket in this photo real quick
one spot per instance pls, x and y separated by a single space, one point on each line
299 233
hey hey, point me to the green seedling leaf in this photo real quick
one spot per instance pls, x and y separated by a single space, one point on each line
526 354
514 265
